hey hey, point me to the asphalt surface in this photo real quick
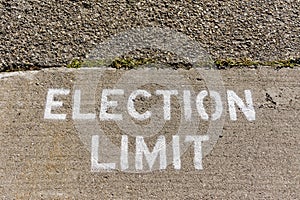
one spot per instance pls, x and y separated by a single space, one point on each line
52 33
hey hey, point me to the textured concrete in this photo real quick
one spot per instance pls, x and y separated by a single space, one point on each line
45 159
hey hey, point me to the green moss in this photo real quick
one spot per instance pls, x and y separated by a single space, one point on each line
247 62
118 63
129 63
75 63
132 63
285 63
96 63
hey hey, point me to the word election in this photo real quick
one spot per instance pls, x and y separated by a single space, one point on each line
232 98
111 99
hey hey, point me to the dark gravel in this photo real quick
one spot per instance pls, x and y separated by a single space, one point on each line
51 33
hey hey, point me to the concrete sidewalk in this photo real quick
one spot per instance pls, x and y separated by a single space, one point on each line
46 158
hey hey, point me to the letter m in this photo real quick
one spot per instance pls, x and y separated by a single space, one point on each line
142 149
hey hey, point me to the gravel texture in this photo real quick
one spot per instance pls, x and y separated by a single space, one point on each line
52 33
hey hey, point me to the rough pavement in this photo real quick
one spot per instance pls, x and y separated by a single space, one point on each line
52 33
